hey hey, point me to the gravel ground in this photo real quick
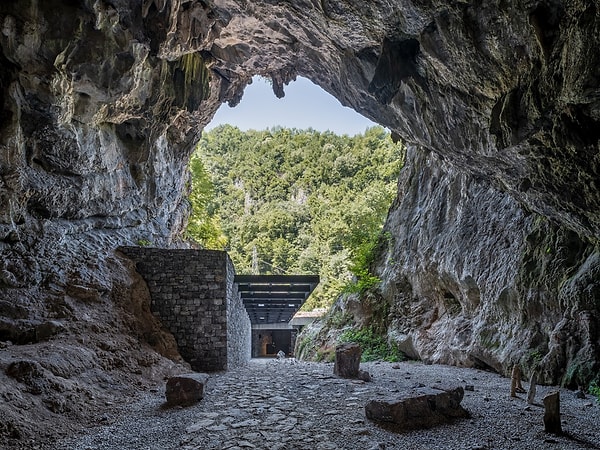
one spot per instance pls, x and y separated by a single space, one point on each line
284 404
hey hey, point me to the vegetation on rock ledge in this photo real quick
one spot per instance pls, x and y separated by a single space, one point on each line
374 345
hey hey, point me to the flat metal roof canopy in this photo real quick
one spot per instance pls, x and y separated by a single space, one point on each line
274 298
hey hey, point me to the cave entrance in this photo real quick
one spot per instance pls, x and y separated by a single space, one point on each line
304 106
290 198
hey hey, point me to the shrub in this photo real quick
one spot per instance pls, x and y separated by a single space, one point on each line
594 389
363 256
374 346
339 319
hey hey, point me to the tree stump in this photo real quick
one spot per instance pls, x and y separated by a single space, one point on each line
347 360
552 413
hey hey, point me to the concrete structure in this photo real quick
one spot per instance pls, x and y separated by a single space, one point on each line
269 338
272 301
194 295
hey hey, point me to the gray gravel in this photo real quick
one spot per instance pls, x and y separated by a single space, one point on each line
273 404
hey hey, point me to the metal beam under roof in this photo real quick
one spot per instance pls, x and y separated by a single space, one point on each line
274 299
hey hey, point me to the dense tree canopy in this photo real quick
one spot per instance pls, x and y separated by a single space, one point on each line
288 201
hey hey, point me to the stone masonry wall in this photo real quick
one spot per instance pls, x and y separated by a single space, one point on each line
239 328
193 294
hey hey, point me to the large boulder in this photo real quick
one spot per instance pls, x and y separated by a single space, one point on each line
185 390
420 408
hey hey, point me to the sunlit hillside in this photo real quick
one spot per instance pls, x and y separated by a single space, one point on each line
288 201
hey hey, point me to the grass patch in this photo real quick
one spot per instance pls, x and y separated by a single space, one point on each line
375 347
339 319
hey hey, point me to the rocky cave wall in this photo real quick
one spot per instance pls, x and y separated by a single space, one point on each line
472 278
103 100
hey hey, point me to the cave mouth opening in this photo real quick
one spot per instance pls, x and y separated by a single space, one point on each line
304 106
308 114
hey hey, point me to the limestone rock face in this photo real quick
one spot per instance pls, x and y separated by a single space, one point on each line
483 282
493 257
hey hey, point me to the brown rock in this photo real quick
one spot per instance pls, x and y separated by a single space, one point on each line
422 408
552 413
185 390
347 360
364 376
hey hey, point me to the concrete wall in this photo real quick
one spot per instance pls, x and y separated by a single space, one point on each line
194 296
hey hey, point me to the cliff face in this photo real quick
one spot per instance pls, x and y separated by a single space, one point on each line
476 279
494 253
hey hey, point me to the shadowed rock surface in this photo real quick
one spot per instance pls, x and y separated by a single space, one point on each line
347 360
185 389
417 409
493 257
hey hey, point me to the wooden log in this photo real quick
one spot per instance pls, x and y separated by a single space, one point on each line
347 360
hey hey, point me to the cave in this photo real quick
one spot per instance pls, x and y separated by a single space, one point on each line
497 219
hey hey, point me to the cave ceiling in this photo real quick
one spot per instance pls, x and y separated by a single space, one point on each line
506 90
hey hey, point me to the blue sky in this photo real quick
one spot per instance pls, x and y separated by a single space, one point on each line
304 105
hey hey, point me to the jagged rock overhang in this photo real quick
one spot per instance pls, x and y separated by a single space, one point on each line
98 126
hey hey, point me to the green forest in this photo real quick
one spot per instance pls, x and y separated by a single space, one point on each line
289 201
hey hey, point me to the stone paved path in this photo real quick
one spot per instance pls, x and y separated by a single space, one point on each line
281 406
274 405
